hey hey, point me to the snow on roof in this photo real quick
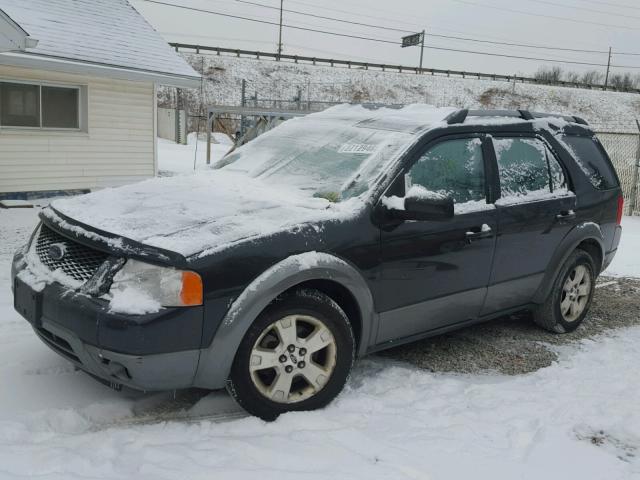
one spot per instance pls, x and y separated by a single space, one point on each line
12 36
416 116
104 32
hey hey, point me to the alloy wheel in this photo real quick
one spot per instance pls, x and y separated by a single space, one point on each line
293 359
575 293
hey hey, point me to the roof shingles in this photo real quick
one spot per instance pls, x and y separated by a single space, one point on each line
105 32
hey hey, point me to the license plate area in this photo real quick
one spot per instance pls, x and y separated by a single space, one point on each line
27 302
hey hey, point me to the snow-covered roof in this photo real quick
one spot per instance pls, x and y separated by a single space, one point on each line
80 35
12 36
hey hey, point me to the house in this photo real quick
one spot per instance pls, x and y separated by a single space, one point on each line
78 82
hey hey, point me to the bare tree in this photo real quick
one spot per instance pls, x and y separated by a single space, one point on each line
572 77
549 74
592 77
621 80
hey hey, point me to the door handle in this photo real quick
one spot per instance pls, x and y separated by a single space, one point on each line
565 216
477 233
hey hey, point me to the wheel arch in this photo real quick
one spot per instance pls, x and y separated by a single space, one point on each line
586 236
327 273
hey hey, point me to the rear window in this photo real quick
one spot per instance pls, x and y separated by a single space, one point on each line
592 160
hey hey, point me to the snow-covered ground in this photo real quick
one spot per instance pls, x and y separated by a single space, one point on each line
578 418
283 80
174 158
627 261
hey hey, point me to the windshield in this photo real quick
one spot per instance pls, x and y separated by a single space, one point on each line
330 156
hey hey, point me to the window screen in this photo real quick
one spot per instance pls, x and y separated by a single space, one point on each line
591 159
454 168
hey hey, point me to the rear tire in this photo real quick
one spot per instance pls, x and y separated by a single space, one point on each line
297 355
570 298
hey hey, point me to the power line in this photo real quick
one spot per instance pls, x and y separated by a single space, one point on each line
323 17
416 26
585 9
379 40
610 4
451 37
541 15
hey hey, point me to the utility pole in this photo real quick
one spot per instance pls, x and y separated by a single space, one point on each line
421 51
280 32
606 78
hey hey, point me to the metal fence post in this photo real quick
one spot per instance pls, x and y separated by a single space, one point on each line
636 175
243 103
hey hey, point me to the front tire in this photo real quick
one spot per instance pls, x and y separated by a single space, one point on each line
571 295
297 355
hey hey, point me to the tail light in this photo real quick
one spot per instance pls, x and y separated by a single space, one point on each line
620 210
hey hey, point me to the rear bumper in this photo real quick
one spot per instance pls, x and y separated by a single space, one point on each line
158 351
608 257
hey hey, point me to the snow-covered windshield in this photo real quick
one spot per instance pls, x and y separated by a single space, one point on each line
335 154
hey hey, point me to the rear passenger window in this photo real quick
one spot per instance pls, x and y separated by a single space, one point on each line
527 168
591 159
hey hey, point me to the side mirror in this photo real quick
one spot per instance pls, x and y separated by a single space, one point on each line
424 208
420 204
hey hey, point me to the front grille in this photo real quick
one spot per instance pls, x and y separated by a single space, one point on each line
78 261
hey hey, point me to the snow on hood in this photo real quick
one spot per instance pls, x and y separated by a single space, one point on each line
191 213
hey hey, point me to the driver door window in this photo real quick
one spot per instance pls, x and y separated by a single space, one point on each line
453 168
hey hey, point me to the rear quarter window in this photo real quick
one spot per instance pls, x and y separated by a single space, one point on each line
592 160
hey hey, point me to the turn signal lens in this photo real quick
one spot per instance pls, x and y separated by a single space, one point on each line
191 293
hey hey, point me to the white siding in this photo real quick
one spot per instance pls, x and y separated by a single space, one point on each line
117 148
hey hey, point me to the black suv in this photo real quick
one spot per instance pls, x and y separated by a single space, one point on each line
330 237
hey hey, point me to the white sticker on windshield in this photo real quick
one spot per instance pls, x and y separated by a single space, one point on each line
363 148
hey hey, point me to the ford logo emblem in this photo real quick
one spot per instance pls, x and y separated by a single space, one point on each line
57 251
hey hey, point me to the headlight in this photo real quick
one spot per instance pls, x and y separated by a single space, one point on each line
168 287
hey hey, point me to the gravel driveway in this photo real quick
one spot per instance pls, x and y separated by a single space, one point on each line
515 345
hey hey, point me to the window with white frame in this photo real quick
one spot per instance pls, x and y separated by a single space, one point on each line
35 105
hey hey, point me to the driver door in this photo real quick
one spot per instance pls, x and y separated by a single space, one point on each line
434 274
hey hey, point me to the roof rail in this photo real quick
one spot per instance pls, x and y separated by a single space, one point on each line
459 116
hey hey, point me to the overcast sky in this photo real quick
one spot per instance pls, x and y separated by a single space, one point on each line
573 24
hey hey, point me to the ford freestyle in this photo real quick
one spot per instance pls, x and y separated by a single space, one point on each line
327 238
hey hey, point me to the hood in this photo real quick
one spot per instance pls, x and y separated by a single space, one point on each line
189 214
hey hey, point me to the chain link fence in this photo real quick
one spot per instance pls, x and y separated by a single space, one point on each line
624 150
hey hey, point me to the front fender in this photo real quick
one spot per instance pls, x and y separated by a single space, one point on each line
577 235
217 359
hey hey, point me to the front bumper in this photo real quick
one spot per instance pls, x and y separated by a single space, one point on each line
157 351
164 371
